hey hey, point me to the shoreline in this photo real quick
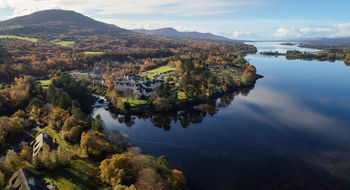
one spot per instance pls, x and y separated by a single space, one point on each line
181 105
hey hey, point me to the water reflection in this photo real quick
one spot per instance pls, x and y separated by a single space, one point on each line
190 115
279 109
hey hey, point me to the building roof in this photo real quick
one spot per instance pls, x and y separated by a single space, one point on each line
24 180
39 141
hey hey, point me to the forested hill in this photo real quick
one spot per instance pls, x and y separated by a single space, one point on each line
172 33
57 21
57 40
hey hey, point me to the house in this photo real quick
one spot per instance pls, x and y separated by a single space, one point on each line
24 180
39 141
136 83
95 76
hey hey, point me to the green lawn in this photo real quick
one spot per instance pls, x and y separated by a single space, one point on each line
181 95
64 43
228 71
157 71
52 133
133 102
80 175
19 37
45 82
11 28
93 53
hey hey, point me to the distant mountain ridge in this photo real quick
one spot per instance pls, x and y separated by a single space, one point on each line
56 22
324 41
172 33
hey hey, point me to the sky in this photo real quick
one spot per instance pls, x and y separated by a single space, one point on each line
236 19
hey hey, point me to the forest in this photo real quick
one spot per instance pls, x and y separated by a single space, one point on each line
60 112
340 54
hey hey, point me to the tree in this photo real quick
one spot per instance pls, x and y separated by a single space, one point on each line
26 154
64 155
163 104
150 179
95 143
74 134
163 165
12 161
98 124
51 159
57 118
249 75
127 107
113 97
164 90
45 158
347 58
64 101
2 179
118 170
70 122
177 180
240 61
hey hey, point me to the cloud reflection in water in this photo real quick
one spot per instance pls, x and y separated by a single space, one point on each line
279 109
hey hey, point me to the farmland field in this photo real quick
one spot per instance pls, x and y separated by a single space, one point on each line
18 37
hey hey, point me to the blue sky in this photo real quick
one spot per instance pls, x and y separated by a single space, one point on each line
239 19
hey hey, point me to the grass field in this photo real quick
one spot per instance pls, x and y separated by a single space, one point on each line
134 103
80 175
52 133
93 53
181 95
64 43
19 37
157 71
45 82
226 72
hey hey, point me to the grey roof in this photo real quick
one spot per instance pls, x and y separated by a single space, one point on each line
39 141
23 180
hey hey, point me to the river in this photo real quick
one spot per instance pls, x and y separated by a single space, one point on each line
291 131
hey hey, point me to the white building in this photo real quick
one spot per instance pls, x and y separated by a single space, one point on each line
137 84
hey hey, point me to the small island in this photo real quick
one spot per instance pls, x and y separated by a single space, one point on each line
288 44
326 54
271 53
337 54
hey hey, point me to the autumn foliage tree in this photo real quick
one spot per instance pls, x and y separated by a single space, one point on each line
118 170
95 143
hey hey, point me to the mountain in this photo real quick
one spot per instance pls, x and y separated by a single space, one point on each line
58 21
172 33
51 24
324 41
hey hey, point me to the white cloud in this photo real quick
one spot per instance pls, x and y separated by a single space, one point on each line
343 29
283 33
212 26
241 34
174 7
337 30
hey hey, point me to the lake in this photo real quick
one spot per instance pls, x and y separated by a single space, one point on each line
291 131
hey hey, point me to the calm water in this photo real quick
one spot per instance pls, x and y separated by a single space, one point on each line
292 131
